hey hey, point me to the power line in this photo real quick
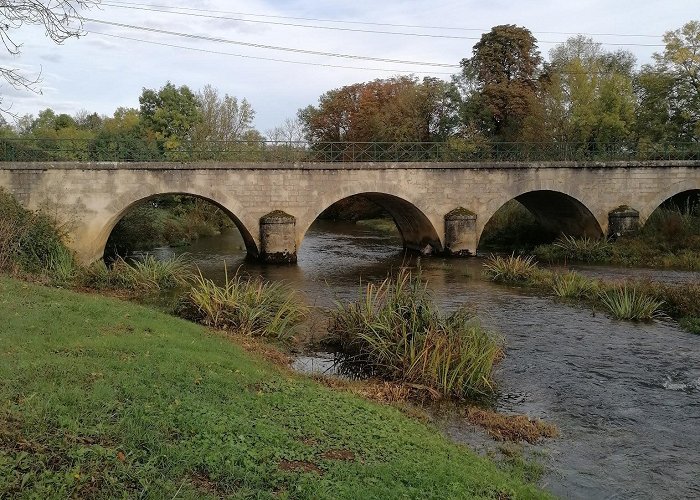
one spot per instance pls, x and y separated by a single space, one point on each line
294 25
372 23
354 30
271 47
305 63
261 58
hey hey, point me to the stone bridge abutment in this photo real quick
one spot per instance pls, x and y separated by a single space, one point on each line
437 207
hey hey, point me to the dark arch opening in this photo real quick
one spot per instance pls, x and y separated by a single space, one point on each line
675 224
416 231
537 217
175 220
685 202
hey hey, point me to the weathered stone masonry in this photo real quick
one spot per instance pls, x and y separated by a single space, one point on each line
438 207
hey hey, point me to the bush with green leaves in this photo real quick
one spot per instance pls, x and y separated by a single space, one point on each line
30 241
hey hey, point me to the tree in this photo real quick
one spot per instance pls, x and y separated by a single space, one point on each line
504 73
291 130
170 114
400 109
669 89
60 18
588 94
222 118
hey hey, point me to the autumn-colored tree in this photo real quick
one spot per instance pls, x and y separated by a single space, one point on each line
400 109
504 73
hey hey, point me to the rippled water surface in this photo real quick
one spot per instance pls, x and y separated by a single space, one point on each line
625 396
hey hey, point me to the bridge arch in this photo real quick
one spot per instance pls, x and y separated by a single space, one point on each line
558 212
676 190
121 209
417 231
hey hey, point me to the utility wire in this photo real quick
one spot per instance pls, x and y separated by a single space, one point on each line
111 35
370 23
270 47
325 65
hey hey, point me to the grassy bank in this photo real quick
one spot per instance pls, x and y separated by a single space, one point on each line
630 300
669 239
107 399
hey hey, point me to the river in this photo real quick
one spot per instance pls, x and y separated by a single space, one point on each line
625 396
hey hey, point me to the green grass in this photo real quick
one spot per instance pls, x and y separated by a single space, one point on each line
670 238
107 399
395 330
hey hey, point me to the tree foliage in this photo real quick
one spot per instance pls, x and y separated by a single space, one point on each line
170 114
505 67
588 95
222 118
400 109
670 87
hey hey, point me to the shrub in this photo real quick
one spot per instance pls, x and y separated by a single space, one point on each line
28 240
512 269
395 331
626 302
245 305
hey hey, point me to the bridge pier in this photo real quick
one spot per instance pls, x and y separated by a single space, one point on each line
623 220
460 233
278 238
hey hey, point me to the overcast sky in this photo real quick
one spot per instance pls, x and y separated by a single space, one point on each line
100 73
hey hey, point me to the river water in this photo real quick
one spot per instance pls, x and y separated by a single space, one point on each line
625 396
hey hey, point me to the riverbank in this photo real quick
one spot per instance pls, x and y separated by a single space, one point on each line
105 398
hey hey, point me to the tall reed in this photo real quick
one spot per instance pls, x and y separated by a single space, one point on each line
395 331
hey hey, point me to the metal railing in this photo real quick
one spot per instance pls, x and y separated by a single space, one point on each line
101 150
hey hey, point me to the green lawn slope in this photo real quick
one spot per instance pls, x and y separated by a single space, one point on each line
102 398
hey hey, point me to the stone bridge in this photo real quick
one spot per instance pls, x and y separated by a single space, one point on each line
438 207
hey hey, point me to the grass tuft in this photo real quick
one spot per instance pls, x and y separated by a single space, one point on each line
627 302
511 269
245 305
572 285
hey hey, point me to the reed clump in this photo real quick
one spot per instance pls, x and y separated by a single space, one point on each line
396 332
627 302
514 269
146 275
245 305
572 285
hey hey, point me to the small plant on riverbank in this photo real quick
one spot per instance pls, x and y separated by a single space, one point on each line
569 248
572 285
626 302
395 331
245 305
512 269
147 275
